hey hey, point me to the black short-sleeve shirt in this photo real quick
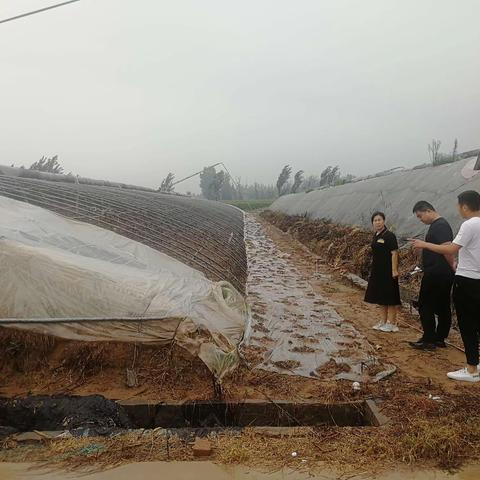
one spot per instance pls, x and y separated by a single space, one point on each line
391 240
383 244
438 233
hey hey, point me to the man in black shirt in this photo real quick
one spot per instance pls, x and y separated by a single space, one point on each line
438 276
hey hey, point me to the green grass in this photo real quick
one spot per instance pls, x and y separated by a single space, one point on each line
249 205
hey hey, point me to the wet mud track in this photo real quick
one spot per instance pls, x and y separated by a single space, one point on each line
294 329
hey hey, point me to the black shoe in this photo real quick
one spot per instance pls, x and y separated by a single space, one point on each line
423 345
440 344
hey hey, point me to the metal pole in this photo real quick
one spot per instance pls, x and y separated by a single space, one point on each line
198 173
29 321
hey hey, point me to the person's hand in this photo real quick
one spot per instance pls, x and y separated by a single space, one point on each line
418 244
395 273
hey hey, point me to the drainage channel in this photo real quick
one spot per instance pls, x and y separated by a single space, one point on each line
100 416
247 413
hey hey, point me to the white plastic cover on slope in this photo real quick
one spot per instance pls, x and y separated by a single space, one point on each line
394 194
53 267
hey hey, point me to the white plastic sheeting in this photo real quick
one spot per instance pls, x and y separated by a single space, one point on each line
394 194
53 267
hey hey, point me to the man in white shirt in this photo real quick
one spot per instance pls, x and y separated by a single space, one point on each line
466 289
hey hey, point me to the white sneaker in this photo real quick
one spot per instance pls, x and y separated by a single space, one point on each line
389 327
463 375
378 326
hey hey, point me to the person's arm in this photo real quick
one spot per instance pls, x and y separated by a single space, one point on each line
392 244
444 249
450 258
441 234
395 263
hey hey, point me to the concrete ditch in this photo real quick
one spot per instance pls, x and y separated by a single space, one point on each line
95 415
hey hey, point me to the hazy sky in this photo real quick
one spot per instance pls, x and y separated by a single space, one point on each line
130 90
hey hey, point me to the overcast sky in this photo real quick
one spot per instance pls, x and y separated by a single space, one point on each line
130 90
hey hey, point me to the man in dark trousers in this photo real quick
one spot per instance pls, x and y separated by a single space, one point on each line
466 291
438 276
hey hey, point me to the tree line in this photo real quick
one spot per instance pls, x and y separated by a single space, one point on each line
46 164
219 185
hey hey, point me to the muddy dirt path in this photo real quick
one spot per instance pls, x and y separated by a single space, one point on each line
293 326
348 302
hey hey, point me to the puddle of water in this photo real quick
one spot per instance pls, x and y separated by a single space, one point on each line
293 327
210 471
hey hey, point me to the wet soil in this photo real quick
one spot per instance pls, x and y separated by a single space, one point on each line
293 325
63 413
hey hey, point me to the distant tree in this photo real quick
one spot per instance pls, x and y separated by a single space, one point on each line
213 182
46 164
207 178
325 175
433 149
218 183
297 181
283 178
343 179
239 188
310 183
330 176
455 148
441 158
229 190
334 175
167 184
257 191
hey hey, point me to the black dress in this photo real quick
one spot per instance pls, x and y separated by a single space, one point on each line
382 287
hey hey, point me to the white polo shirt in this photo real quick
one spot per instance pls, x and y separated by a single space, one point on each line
468 238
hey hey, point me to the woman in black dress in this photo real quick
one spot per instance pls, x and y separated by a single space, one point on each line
383 287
